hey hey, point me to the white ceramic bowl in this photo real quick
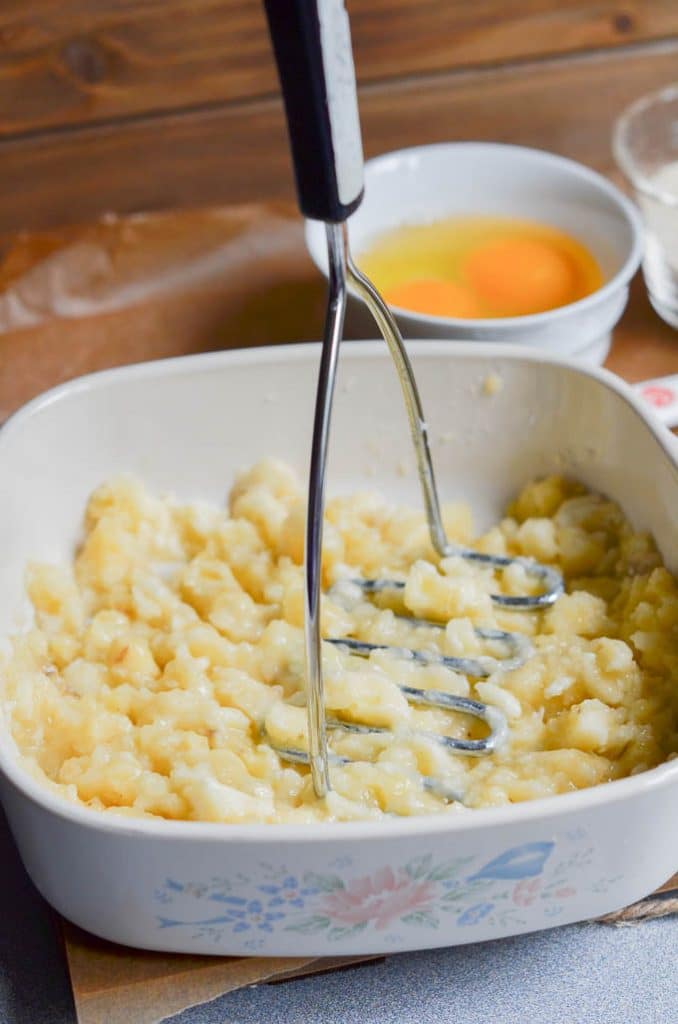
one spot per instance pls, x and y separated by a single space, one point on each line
186 425
427 183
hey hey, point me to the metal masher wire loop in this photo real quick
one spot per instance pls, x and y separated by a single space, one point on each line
480 667
477 668
550 578
450 702
441 789
431 698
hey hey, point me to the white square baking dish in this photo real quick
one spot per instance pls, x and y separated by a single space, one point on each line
186 426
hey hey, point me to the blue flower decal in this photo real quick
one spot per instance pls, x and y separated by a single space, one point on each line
475 913
242 914
519 862
287 893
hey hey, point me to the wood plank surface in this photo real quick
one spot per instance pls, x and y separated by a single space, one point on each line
228 278
85 61
238 153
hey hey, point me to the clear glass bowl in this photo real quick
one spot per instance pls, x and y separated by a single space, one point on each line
645 143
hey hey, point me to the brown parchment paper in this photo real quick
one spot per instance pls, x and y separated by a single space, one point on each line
150 286
115 985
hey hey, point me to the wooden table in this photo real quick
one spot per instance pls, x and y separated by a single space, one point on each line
125 107
246 280
143 106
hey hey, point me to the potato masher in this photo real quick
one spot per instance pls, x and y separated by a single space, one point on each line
312 45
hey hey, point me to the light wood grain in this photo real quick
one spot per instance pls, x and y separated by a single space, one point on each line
239 153
83 61
404 37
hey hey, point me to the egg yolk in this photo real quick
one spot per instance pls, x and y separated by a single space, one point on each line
434 297
479 267
518 276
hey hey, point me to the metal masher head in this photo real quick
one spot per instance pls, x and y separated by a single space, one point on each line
311 40
517 646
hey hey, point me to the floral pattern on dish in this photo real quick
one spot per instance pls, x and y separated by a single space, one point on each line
513 890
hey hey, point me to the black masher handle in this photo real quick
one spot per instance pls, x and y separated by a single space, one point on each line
312 45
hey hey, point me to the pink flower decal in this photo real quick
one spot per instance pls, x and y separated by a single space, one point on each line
381 898
526 891
563 894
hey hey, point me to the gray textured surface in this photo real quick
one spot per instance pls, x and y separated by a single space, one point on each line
585 974
34 987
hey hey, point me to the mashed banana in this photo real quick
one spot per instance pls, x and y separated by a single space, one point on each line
168 659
